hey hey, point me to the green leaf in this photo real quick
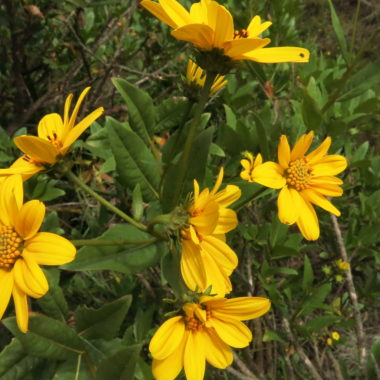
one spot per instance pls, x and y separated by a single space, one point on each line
120 366
53 302
171 272
262 136
47 337
308 275
319 323
73 368
315 300
196 170
104 322
121 258
273 336
338 31
230 117
171 113
143 323
135 163
15 363
140 108
311 113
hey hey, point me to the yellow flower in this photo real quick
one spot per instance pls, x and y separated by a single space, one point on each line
23 249
304 180
55 136
195 74
335 335
249 163
204 333
206 258
210 25
343 265
329 341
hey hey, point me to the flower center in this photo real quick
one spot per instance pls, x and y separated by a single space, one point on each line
53 139
10 247
194 324
242 33
298 174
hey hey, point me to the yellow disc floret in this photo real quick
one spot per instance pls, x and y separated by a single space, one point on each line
298 174
10 247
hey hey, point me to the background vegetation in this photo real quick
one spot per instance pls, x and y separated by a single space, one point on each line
52 48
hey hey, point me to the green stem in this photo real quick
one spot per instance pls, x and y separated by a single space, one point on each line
98 242
184 161
104 202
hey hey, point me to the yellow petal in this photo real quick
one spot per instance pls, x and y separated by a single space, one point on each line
240 48
167 338
170 367
258 160
227 221
278 54
199 35
283 152
218 181
255 27
159 12
330 165
218 353
49 249
21 306
22 166
34 282
217 277
75 132
302 145
79 102
221 252
232 332
328 189
176 12
241 308
11 198
220 20
269 174
318 153
29 219
326 180
66 110
6 281
19 272
206 222
194 360
38 149
51 128
287 203
192 268
314 197
227 196
308 220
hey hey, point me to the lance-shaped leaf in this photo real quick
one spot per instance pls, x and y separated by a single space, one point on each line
140 108
135 163
47 337
104 322
125 258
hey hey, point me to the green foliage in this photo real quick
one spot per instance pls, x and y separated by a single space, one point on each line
101 310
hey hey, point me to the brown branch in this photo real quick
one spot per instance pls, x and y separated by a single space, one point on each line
352 293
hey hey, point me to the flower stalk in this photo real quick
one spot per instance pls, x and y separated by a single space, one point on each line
184 161
104 202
